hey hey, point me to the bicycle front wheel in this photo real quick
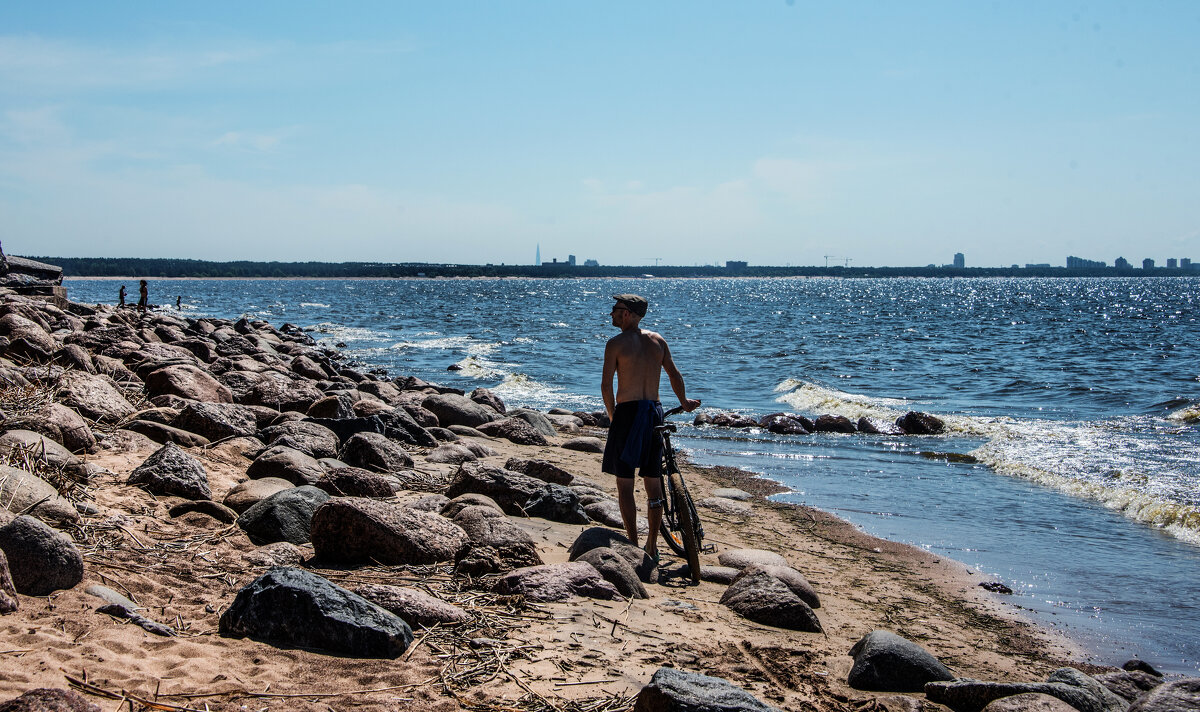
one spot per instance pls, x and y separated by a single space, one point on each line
689 525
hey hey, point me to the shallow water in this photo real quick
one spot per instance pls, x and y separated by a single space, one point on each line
1078 399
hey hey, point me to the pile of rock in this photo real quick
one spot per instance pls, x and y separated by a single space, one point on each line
911 423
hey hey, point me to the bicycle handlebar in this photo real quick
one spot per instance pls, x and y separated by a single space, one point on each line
674 411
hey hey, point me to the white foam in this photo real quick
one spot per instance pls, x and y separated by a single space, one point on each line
317 305
466 344
1189 414
342 332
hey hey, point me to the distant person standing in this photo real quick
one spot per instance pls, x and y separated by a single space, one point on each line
143 297
637 358
121 297
178 304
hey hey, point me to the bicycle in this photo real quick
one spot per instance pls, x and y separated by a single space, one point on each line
681 525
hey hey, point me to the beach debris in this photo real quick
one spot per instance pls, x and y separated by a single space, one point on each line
1129 684
514 429
246 494
1077 689
1174 696
584 444
171 471
416 607
42 451
996 587
741 558
373 451
886 662
670 690
483 396
49 698
8 592
762 598
53 420
41 560
348 530
293 607
790 577
451 409
284 516
595 537
119 610
286 463
304 435
557 582
355 482
617 570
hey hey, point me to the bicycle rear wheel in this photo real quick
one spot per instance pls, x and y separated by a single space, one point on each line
689 525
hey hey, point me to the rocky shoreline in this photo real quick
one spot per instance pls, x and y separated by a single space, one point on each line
212 514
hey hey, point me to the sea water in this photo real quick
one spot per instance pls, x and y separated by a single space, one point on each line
1071 465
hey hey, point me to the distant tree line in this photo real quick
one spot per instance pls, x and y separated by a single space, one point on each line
203 269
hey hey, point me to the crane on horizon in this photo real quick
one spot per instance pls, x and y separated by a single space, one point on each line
656 260
844 260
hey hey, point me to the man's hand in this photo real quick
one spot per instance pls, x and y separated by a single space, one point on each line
690 404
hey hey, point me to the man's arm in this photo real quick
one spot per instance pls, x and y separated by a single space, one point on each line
606 379
676 379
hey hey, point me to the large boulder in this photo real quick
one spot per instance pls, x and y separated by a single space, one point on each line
557 582
451 454
917 423
38 447
741 558
352 530
8 591
172 472
417 608
452 409
617 570
601 537
27 338
765 599
885 662
483 396
541 469
284 516
834 424
518 494
287 464
306 436
93 396
514 429
355 482
22 491
296 608
538 421
1176 696
1082 692
1029 702
41 560
1129 684
790 577
216 421
187 381
63 425
345 428
245 495
399 425
496 544
162 434
373 451
672 690
271 388
786 424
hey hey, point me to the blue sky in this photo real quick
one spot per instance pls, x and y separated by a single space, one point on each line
627 132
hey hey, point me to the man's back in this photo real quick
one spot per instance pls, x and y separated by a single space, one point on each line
639 357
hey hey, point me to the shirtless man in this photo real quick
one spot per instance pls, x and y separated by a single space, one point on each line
638 358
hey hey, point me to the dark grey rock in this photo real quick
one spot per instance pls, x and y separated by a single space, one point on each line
415 607
484 396
452 507
453 409
41 560
163 434
597 537
355 482
541 469
353 530
296 608
495 544
517 493
372 451
305 436
171 471
246 494
49 699
917 423
515 430
617 570
217 421
885 662
672 690
345 428
584 444
1177 696
833 424
1084 693
790 577
1129 684
765 599
284 516
399 425
288 464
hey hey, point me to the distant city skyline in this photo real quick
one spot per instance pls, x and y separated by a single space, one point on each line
673 132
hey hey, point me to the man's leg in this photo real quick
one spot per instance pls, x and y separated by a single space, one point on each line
628 507
654 493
